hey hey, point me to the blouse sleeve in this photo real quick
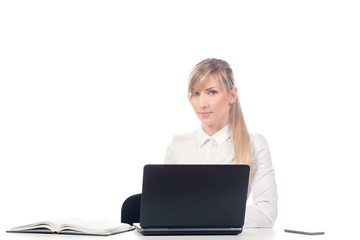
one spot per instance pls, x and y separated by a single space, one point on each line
263 211
170 156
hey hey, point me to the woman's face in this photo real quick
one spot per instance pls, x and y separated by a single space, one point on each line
211 104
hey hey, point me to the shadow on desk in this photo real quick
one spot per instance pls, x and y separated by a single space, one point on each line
247 234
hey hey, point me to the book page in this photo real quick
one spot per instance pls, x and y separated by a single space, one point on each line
96 226
35 227
75 226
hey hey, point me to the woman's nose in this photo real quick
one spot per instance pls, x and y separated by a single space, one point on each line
203 101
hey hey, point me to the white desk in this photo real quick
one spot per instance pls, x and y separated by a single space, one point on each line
247 234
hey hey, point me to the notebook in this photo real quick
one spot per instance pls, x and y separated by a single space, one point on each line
193 199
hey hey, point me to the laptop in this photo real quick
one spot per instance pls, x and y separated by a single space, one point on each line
193 199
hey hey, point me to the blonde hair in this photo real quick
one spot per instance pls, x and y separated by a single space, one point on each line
223 73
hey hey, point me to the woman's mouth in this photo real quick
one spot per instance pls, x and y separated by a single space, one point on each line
204 114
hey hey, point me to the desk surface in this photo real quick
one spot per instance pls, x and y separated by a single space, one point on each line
247 234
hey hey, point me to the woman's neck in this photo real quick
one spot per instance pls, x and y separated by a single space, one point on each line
212 130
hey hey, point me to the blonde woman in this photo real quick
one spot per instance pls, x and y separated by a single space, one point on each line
224 138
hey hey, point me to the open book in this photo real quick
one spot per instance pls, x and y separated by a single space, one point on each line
75 226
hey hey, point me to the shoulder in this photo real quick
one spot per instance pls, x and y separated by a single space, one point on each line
260 152
180 147
259 148
184 139
257 139
185 136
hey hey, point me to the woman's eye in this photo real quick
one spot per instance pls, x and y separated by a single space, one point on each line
212 92
195 94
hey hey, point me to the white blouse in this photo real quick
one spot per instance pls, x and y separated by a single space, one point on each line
199 148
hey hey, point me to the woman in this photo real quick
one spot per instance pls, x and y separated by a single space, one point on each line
224 138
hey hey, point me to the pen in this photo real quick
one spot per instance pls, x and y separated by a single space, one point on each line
303 232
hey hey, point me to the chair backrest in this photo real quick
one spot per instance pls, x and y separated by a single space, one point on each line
130 210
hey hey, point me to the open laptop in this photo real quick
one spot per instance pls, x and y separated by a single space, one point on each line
193 199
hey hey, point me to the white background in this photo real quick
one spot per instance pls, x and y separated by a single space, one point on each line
90 91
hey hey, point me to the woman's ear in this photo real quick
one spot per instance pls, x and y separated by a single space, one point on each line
232 95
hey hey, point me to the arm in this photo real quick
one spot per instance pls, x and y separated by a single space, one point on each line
263 211
170 156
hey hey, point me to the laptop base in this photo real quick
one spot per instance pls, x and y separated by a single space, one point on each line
187 231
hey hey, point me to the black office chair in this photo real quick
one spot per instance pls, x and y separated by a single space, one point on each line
130 210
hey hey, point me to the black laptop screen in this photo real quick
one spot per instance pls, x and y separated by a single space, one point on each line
195 196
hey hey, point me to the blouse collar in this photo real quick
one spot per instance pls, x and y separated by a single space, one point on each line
219 138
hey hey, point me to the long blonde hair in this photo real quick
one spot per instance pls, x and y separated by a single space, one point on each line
223 73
